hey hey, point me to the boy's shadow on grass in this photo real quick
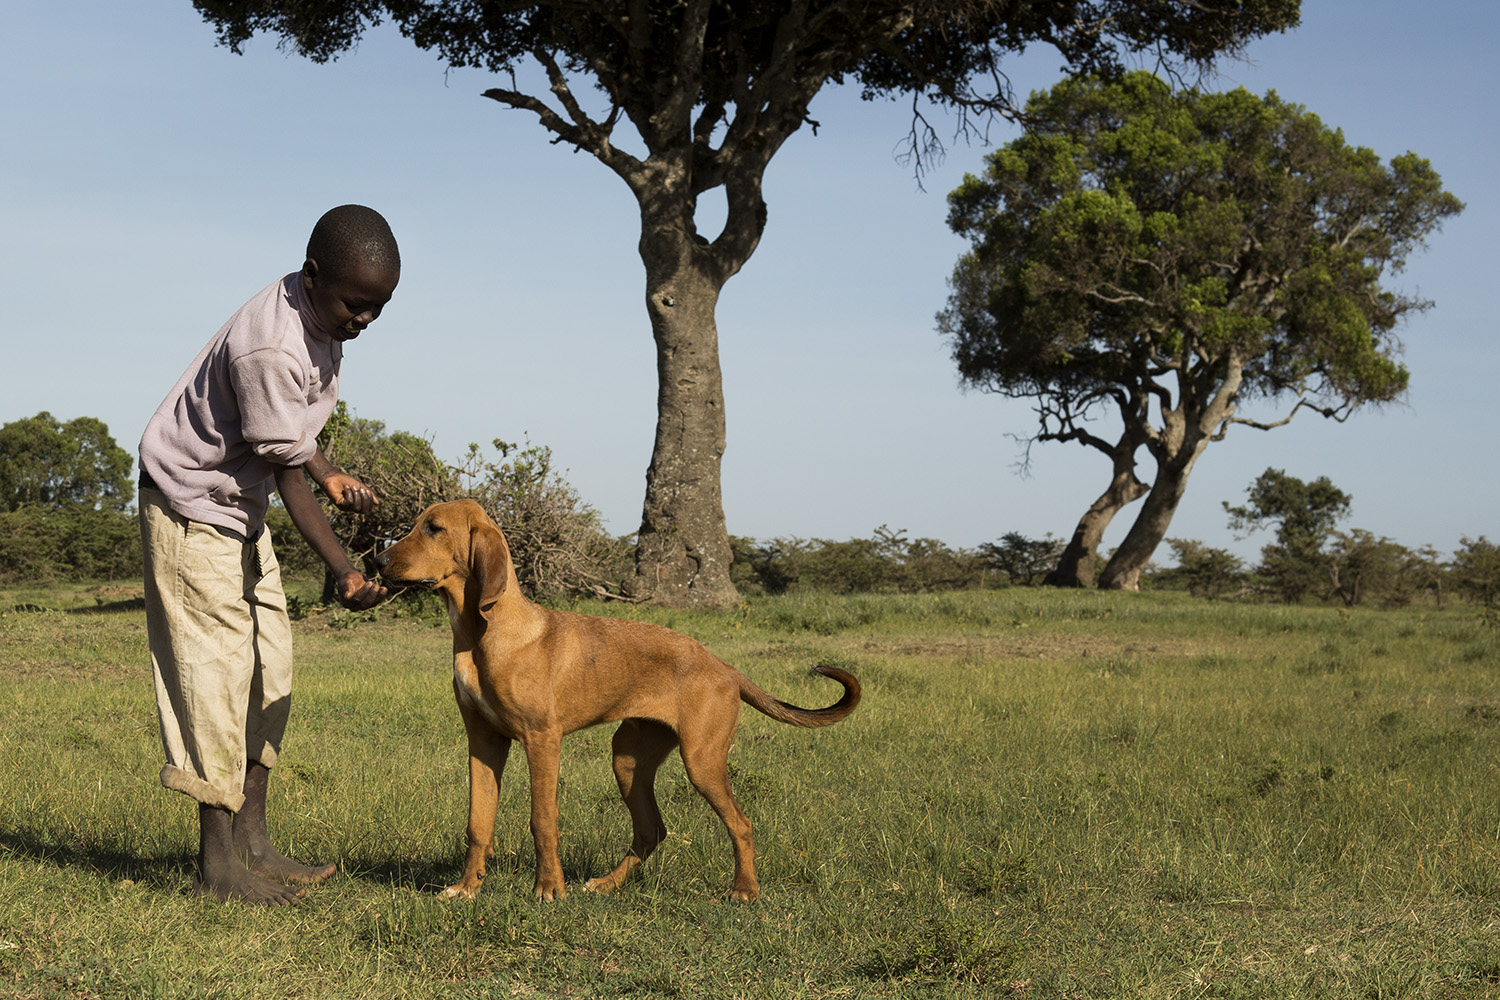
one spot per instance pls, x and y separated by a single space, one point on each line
166 871
102 608
111 607
116 864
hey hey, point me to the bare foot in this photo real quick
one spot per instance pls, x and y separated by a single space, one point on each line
266 861
252 843
232 882
222 875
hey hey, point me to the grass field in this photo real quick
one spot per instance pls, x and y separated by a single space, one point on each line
1044 794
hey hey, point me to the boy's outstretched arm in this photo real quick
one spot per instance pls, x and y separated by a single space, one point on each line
355 591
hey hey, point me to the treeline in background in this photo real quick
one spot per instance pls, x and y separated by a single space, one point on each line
67 513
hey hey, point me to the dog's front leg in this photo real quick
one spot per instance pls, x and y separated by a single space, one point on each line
542 753
488 751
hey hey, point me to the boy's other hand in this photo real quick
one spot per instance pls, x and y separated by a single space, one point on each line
348 493
357 591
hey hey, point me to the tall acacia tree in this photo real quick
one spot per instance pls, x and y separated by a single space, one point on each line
1161 256
713 88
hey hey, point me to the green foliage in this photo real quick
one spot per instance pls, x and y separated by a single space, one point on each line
400 467
1202 570
1476 570
1304 515
1166 254
65 494
948 53
1023 560
557 540
55 465
71 543
1362 565
887 562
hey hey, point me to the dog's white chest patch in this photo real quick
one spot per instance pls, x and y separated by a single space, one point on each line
466 683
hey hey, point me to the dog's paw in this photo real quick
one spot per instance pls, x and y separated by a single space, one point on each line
460 891
550 893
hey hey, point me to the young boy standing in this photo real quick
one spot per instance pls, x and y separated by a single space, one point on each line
246 414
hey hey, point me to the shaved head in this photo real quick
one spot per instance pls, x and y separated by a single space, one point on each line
349 236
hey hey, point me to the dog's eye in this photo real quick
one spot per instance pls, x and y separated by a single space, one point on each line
432 529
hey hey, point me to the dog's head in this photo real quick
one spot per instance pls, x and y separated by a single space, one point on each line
453 547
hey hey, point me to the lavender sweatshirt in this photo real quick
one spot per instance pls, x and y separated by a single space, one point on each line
255 398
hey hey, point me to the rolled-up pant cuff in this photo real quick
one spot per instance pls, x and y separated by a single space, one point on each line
191 785
261 749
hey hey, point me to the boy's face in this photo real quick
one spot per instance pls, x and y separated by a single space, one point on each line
344 304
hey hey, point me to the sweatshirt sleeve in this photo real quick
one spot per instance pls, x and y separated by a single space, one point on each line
273 405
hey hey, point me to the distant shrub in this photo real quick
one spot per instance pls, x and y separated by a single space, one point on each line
887 562
1201 570
1025 561
68 543
1476 570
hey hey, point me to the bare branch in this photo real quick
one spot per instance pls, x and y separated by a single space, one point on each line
1339 413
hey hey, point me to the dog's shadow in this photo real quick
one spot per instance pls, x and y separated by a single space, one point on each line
424 875
435 873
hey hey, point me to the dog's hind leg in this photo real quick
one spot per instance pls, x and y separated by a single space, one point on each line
707 765
640 745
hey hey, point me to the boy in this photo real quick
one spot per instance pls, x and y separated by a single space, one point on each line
245 414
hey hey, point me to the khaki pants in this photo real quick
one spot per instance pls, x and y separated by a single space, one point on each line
221 651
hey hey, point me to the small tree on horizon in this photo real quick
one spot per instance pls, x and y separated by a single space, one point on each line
1304 515
53 464
1476 570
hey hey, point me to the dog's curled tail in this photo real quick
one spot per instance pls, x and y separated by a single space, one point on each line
806 718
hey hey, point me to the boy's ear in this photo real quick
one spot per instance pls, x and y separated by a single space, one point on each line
309 273
489 564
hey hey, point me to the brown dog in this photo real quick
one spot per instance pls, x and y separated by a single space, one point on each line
523 672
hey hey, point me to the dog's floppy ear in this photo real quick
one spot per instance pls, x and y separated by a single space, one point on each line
489 563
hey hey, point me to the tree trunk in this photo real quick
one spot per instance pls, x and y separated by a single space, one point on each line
1075 567
1124 570
1208 401
682 551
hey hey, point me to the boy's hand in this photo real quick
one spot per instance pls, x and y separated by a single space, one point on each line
357 592
348 493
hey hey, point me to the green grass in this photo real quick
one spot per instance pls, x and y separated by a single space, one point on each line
1044 794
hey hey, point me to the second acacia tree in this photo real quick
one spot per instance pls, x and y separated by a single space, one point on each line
1150 259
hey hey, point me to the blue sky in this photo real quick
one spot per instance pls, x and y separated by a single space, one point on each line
152 181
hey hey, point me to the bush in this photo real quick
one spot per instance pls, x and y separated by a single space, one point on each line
1023 560
68 543
1201 570
557 542
887 562
1476 570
